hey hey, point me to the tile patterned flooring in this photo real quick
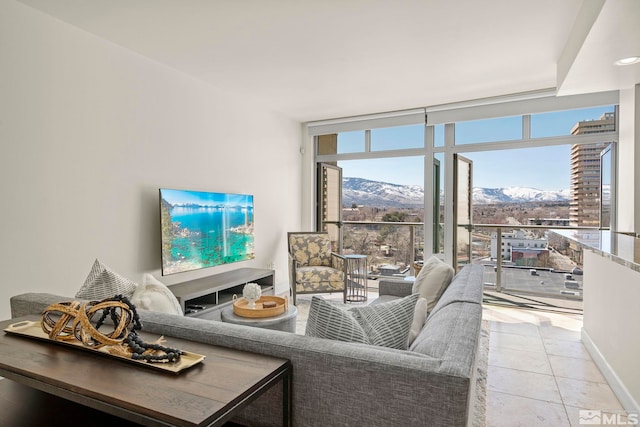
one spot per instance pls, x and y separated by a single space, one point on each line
539 371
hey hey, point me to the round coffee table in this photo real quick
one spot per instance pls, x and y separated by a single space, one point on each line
283 322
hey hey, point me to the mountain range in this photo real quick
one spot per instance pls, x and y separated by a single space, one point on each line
364 192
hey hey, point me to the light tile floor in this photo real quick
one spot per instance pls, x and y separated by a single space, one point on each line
539 371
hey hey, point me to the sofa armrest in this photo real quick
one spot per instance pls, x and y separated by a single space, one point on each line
34 303
398 288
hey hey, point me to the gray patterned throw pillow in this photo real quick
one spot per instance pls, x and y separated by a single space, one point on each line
388 324
328 321
102 282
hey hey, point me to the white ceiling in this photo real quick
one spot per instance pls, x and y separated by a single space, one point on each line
321 59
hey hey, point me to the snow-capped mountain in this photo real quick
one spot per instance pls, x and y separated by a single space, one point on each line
364 192
518 194
382 194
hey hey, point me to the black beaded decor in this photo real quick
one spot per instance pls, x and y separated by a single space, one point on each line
73 321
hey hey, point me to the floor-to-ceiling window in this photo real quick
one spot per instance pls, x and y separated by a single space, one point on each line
534 163
382 194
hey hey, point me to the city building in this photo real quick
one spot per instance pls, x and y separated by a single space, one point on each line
513 241
584 206
530 257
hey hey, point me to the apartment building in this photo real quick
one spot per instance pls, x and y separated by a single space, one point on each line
584 210
513 241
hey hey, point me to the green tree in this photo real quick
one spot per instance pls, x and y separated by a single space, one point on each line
394 216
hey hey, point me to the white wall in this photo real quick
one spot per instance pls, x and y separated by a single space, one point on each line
611 317
629 161
89 131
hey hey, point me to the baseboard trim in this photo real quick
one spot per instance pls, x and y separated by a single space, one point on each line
616 384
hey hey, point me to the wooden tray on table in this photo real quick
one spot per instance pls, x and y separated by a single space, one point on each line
33 330
240 307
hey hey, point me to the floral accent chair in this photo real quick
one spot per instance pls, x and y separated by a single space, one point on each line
313 268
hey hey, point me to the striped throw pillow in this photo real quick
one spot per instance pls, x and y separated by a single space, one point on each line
328 321
388 324
102 282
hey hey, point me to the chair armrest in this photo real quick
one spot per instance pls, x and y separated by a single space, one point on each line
292 269
398 288
337 261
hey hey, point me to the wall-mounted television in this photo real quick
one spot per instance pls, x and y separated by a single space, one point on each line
202 229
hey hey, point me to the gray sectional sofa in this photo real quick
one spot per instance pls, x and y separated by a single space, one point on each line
345 384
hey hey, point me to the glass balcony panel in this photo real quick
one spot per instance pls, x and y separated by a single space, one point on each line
391 247
534 261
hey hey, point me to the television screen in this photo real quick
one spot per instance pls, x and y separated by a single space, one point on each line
202 229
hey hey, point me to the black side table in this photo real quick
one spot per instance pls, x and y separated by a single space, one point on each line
356 280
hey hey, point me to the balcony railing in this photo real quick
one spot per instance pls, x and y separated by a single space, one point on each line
534 261
392 248
517 263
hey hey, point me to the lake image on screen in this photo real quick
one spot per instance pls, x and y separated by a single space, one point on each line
202 229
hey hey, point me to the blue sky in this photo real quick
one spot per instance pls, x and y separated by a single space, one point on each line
544 168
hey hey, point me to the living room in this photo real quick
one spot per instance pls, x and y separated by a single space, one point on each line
93 127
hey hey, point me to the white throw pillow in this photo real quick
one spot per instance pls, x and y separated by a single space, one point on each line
419 319
153 295
432 280
102 283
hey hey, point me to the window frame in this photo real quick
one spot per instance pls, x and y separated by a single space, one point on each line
448 116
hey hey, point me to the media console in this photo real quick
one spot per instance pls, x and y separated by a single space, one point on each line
205 297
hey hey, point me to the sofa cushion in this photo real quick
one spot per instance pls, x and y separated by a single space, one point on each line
153 295
451 335
466 286
318 273
325 320
102 282
432 280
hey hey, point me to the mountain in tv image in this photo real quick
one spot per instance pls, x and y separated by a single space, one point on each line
203 229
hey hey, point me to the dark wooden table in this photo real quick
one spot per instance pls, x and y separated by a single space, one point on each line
207 394
23 406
